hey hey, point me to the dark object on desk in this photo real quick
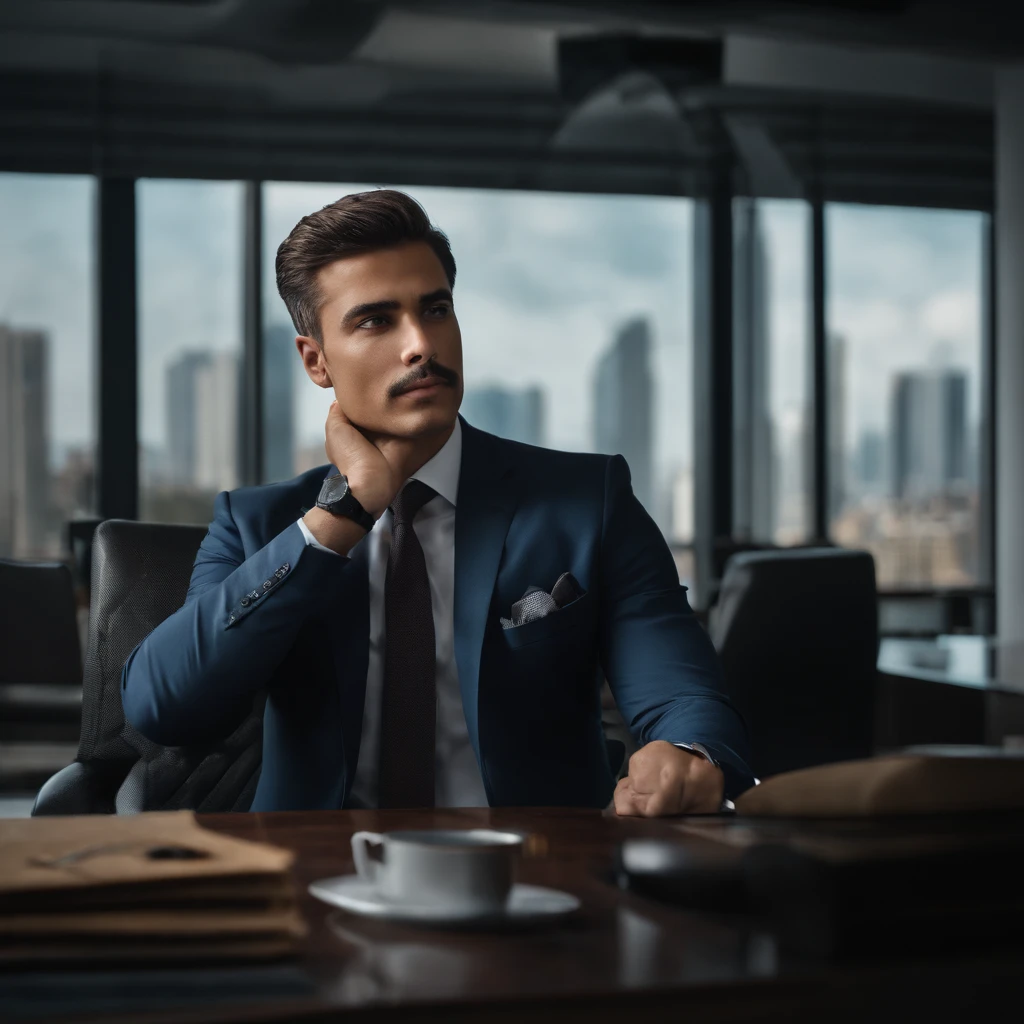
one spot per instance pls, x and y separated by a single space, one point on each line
140 575
41 668
797 633
854 888
896 891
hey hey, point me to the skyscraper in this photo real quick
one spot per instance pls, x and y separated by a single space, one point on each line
25 506
929 434
623 412
217 387
180 414
202 420
515 414
279 359
837 457
754 499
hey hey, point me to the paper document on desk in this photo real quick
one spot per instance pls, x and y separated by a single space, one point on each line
915 781
153 885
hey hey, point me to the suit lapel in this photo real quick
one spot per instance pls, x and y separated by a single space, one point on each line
483 512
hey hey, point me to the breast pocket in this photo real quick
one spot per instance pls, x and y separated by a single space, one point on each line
575 617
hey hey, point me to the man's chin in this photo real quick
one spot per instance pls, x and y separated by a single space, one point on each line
432 418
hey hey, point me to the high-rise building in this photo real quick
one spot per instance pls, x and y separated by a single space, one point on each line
217 387
754 500
180 413
929 434
202 420
623 412
515 414
279 359
837 457
25 505
870 462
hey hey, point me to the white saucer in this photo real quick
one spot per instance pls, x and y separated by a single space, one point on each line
527 904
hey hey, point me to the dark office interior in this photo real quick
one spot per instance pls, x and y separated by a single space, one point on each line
769 254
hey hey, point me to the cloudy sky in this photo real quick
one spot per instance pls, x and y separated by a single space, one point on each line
544 282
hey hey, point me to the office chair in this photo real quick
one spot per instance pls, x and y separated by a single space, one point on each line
797 634
41 667
140 575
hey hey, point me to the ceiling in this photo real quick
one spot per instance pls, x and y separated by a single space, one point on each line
876 101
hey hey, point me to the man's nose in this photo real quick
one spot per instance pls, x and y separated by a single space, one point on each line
416 344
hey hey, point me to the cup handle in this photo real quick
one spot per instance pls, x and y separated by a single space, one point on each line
366 866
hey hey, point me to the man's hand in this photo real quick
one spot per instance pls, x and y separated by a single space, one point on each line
665 780
373 479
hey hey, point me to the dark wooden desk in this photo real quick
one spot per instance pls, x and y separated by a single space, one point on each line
622 959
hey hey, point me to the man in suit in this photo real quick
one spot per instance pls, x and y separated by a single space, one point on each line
431 615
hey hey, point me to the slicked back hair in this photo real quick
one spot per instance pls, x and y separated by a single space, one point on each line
355 224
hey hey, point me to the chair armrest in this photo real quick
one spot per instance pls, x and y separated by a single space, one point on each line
83 787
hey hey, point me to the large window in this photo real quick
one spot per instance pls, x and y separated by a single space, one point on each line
772 379
47 438
904 299
190 241
576 321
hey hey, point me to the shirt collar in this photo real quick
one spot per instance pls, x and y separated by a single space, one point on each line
442 471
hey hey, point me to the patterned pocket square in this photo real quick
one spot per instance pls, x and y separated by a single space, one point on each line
535 603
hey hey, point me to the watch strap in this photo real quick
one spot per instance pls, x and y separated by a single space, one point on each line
347 505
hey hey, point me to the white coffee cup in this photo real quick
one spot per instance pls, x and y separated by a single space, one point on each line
466 871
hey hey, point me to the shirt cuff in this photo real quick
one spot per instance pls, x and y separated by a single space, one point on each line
312 541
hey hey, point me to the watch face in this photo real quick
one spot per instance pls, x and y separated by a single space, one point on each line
334 489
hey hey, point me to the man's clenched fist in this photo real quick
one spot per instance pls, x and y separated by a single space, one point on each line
664 779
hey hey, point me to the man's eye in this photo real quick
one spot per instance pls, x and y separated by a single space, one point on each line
373 321
438 312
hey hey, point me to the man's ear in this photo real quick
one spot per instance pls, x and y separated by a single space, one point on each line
313 361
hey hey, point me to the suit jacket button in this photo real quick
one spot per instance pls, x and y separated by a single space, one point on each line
245 602
267 584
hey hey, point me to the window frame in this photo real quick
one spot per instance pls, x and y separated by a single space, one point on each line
117 457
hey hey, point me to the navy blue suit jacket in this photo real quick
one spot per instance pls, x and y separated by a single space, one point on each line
266 611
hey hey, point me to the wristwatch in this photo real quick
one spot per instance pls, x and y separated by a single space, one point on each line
336 498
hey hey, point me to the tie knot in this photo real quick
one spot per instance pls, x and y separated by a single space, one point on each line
409 500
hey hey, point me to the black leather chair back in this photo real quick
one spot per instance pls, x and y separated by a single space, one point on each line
797 633
38 627
140 575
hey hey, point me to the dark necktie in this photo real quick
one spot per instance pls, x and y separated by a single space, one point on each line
408 706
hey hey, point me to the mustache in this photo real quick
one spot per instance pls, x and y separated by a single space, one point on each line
431 369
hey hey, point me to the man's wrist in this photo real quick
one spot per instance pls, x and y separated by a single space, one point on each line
699 751
369 497
338 533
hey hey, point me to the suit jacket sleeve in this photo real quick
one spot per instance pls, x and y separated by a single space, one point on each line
195 676
659 661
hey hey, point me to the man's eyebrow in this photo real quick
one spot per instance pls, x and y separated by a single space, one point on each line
368 309
437 295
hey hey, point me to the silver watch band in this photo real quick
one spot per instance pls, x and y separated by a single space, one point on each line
700 750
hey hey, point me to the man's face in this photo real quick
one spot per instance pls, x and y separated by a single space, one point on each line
391 349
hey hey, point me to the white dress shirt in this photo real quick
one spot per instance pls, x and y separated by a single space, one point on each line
457 779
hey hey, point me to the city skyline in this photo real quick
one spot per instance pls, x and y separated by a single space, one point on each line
545 281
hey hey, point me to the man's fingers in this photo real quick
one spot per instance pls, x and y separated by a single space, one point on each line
627 801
